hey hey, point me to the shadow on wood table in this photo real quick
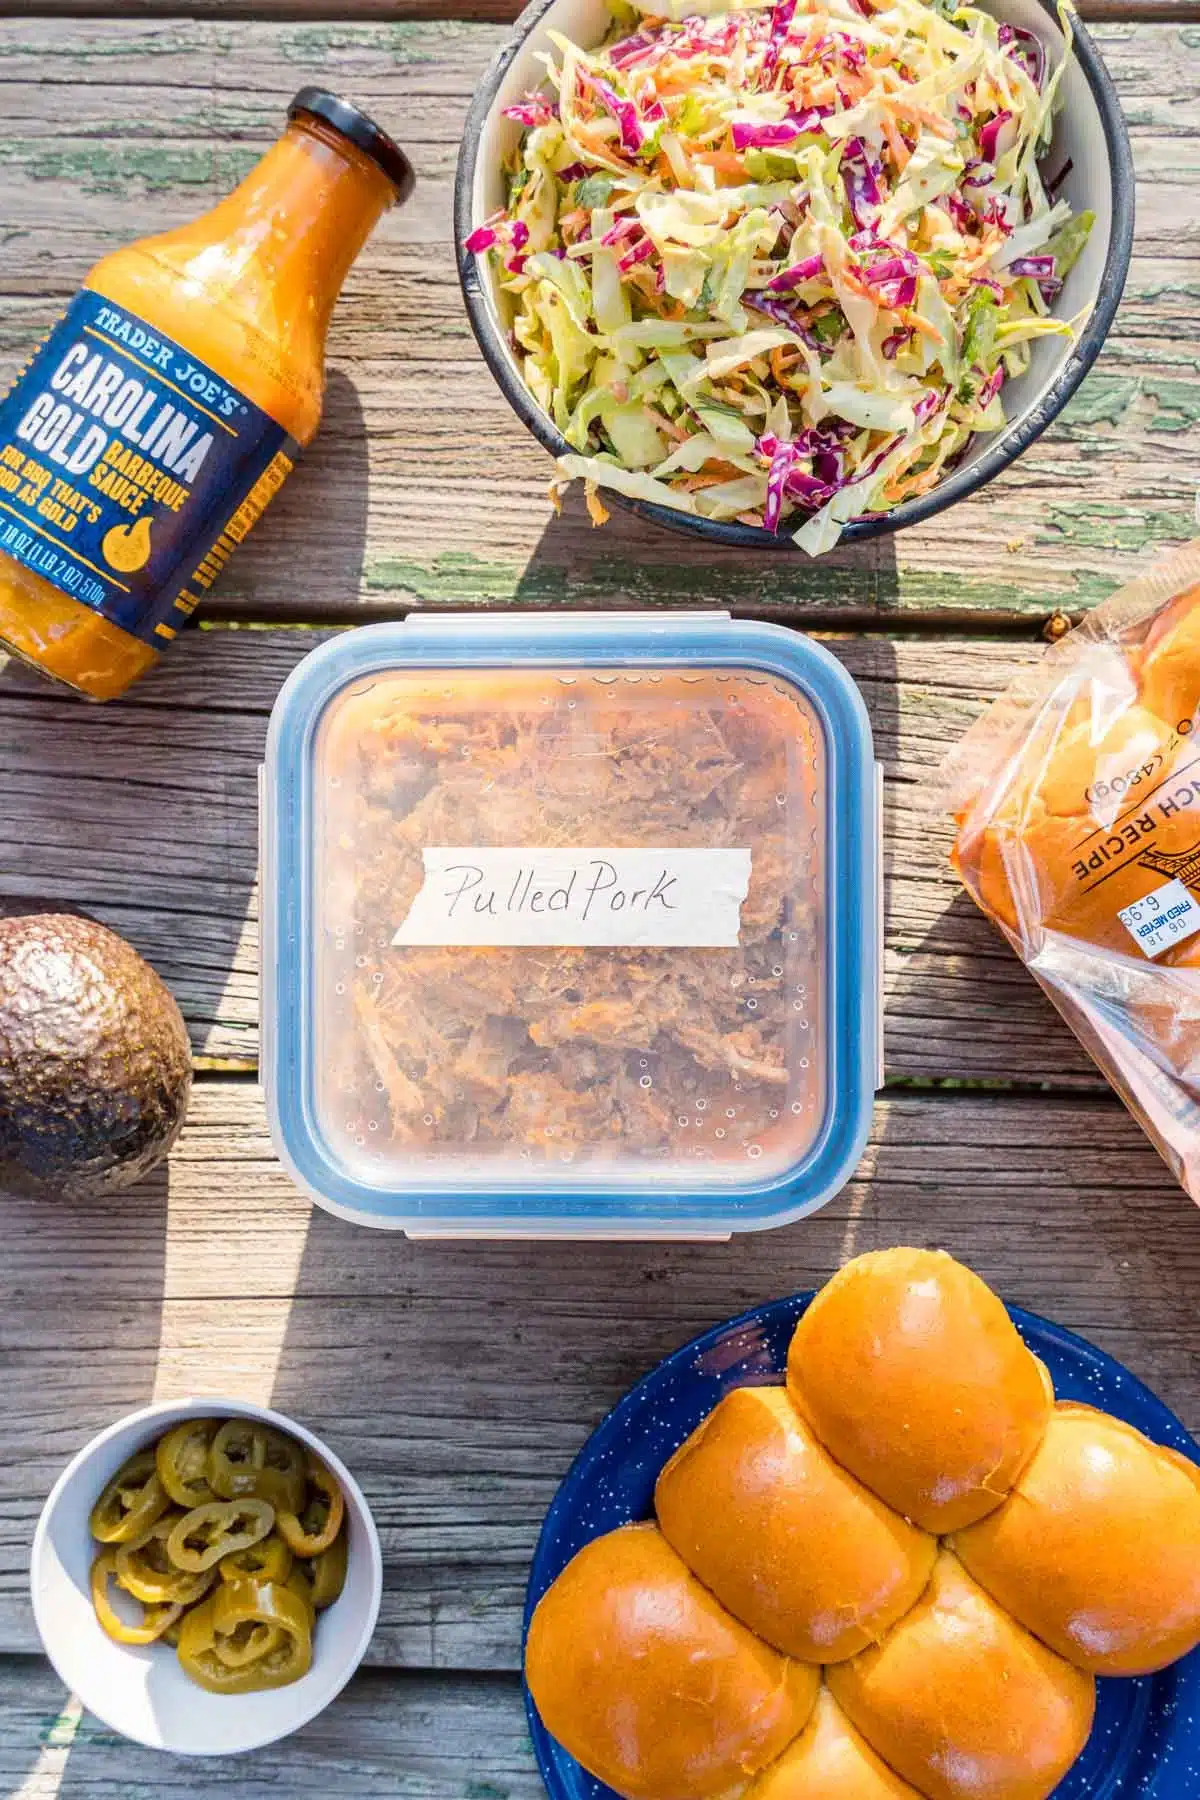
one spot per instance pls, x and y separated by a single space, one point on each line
143 815
323 505
630 562
62 1323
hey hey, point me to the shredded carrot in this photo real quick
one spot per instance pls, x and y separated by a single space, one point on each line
911 109
597 510
901 486
694 482
678 432
818 25
723 162
896 144
917 323
600 148
783 360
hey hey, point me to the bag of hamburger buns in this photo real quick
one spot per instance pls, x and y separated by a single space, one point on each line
1077 801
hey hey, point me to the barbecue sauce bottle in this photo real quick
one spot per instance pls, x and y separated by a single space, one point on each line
165 409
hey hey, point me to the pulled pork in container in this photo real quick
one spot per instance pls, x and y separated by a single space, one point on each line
1077 798
572 925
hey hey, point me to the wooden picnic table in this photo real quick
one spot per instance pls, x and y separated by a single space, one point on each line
458 1380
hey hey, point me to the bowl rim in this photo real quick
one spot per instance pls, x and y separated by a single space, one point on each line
159 1413
998 455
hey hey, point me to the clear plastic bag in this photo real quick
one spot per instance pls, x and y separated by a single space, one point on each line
1077 799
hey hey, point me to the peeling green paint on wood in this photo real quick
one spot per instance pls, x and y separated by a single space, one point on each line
457 578
1171 403
114 167
407 40
1102 527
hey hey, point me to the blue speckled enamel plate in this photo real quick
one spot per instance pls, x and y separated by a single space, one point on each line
1146 1741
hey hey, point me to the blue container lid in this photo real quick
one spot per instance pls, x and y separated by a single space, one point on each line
570 925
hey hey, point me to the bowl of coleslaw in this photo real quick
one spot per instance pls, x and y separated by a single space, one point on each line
790 274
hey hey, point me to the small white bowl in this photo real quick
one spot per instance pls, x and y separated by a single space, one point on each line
144 1693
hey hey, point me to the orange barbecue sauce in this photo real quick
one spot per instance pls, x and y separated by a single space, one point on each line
166 408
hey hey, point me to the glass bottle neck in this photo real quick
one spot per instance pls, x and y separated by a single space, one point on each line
298 220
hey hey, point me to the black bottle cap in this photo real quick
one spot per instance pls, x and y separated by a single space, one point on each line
361 131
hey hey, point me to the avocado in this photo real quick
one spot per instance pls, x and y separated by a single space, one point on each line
95 1065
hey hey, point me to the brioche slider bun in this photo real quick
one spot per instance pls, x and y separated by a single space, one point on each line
912 1375
964 1702
1170 662
1062 851
830 1761
792 1544
1097 1549
649 1683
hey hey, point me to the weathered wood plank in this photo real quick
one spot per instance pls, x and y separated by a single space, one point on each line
415 1737
1141 11
145 813
489 1363
455 510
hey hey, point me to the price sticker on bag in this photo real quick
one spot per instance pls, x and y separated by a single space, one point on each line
1164 918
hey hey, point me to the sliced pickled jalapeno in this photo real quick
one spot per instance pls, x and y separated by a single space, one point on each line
132 1501
249 1640
316 1528
145 1570
181 1459
228 1538
203 1536
155 1619
249 1459
268 1560
222 1648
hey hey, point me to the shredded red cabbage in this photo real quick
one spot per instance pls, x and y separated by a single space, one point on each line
1026 49
1040 267
631 50
633 131
1056 181
860 174
781 464
893 280
532 112
781 19
637 254
959 211
990 133
782 314
808 270
750 136
481 239
991 387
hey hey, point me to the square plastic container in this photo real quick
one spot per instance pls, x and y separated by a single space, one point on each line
570 925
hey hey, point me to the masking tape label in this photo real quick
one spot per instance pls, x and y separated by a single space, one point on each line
634 898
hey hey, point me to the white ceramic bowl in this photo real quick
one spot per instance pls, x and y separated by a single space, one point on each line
1089 131
144 1693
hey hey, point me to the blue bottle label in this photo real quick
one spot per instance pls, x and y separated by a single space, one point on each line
129 471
